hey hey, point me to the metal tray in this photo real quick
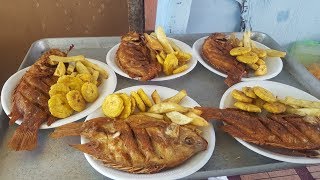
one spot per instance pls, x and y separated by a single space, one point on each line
55 159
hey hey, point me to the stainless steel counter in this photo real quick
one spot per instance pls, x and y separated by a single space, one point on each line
54 159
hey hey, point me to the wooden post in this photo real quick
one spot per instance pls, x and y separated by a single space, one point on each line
136 15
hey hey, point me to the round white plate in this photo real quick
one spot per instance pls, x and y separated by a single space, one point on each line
111 61
190 166
281 91
106 87
274 64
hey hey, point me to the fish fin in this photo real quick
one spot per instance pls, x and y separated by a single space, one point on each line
71 129
24 138
91 148
51 120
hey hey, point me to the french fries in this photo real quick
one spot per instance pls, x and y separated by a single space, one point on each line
61 70
156 97
171 57
66 59
177 98
82 69
168 110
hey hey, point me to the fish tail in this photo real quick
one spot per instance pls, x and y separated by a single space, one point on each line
24 138
71 129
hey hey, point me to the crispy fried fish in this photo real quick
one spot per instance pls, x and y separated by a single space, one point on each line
216 50
30 102
139 144
133 57
276 130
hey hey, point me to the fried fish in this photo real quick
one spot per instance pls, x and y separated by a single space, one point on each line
216 50
138 144
30 102
134 57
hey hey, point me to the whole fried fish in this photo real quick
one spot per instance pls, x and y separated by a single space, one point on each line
275 130
30 102
134 57
139 144
216 50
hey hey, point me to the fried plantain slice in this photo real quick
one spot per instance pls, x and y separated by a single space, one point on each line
127 105
133 104
112 105
264 94
275 107
240 96
58 88
144 97
59 107
248 91
75 100
89 92
247 107
139 102
74 83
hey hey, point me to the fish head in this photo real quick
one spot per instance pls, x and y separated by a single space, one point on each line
192 139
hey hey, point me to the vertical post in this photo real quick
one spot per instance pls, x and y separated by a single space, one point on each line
136 15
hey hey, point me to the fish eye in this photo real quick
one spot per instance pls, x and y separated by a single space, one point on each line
189 140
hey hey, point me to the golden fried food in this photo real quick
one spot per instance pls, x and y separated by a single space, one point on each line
247 107
248 58
160 59
178 97
304 111
133 104
163 40
253 66
112 105
85 77
89 92
66 59
275 53
275 107
127 106
153 43
59 107
260 52
82 69
248 91
75 100
196 119
71 67
155 97
239 51
262 70
196 111
60 70
246 39
260 62
144 97
170 63
264 94
74 83
180 69
58 88
165 107
178 118
103 73
301 103
240 96
139 101
183 56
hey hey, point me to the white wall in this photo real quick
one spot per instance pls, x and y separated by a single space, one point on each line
284 20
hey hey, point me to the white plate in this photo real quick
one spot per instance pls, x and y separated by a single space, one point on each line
281 91
106 87
190 166
274 64
111 61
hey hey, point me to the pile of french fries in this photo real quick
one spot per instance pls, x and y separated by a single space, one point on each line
168 54
248 53
76 65
255 99
121 105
